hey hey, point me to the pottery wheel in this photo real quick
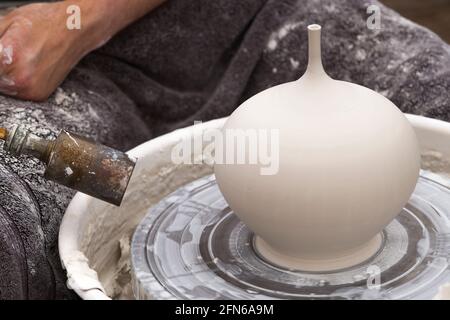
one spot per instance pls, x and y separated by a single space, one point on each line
192 246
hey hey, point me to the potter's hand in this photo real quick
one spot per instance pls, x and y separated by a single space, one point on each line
37 49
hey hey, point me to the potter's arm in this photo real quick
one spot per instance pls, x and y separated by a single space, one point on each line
105 18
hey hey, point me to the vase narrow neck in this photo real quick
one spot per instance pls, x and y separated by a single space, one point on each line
315 67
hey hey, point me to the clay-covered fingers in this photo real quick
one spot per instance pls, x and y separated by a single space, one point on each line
6 59
15 33
37 50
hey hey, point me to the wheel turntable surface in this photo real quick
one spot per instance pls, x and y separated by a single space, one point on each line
192 246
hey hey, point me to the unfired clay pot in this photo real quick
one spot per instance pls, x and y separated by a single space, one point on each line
348 162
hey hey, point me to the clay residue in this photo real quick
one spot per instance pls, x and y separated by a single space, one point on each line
79 275
64 99
280 34
436 162
121 286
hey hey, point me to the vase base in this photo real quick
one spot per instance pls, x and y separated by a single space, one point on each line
345 260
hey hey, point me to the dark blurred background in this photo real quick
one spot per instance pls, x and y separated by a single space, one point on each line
433 14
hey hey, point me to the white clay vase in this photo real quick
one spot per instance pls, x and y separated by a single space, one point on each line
348 162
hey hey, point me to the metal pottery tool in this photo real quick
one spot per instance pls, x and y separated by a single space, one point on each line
75 161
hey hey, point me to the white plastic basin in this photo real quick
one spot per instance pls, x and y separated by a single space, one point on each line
94 235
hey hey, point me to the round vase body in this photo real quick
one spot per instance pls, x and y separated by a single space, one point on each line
345 162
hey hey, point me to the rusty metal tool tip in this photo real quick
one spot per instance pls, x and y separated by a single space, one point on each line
3 133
